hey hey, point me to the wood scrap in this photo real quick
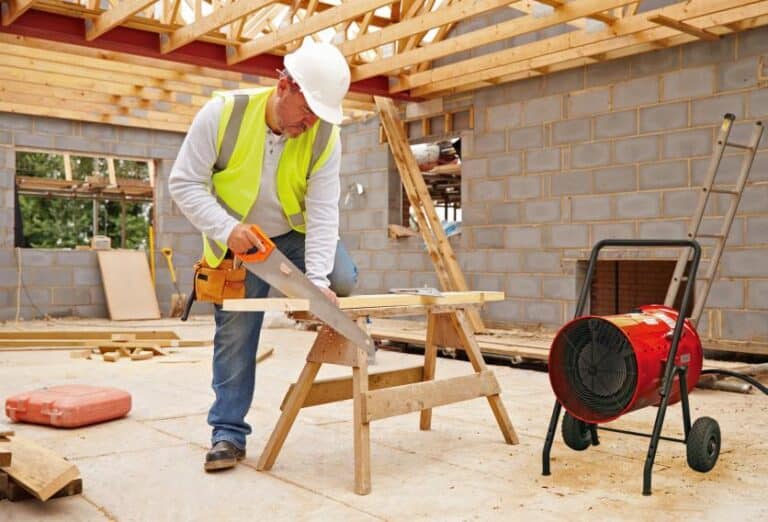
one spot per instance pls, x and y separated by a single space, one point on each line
39 470
399 231
113 356
15 492
264 353
141 355
5 458
80 354
4 434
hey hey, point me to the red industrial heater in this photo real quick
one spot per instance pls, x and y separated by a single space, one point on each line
603 367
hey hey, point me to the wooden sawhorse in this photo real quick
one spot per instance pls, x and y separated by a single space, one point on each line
390 393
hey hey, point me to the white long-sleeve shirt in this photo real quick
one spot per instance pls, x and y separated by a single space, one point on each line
191 178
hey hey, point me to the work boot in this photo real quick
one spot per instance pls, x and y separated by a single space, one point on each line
223 455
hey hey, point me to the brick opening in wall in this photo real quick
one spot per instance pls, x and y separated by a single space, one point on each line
621 286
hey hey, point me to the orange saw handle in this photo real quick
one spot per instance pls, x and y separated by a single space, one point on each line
255 255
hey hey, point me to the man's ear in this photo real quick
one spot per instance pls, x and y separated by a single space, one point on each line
283 85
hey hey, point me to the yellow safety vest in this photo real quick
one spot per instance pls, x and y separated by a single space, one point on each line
237 171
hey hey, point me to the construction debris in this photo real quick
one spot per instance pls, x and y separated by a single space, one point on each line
38 470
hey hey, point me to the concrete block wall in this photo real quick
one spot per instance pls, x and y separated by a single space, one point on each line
61 282
616 149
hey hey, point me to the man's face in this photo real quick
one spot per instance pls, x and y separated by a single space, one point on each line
293 114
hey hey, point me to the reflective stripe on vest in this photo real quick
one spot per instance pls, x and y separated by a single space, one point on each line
243 115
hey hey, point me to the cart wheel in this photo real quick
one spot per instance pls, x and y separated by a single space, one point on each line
703 445
576 433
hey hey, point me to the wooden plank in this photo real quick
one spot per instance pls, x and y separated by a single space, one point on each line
41 471
113 17
483 36
345 11
128 285
13 9
271 304
5 457
430 363
202 25
683 27
340 389
361 426
380 404
332 347
53 333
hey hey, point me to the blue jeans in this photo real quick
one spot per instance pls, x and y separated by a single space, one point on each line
237 340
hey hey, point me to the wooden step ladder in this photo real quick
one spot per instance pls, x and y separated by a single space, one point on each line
707 189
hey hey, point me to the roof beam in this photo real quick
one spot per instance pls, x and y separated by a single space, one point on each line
318 22
454 13
683 27
12 9
113 17
486 35
627 33
602 17
189 33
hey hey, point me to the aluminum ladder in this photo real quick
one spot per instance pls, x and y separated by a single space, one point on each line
707 189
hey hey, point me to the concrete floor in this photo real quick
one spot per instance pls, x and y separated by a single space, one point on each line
148 466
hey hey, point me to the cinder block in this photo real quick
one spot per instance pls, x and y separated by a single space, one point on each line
370 281
486 190
375 240
5 138
490 143
67 296
52 125
542 262
727 172
505 261
741 74
491 96
605 73
587 155
714 225
28 139
754 200
500 117
544 312
663 229
523 286
558 288
523 237
745 326
570 183
523 89
686 144
571 131
633 150
504 165
413 261
525 138
564 81
504 311
362 259
569 236
542 160
709 53
680 202
475 261
422 279
616 179
613 231
542 211
757 230
664 117
487 282
726 294
757 292
541 110
488 237
712 110
688 83
38 257
15 121
758 103
634 93
646 64
474 168
134 135
361 141
166 139
377 159
640 205
752 42
588 102
384 261
394 279
590 208
664 175
477 214
352 162
616 124
744 263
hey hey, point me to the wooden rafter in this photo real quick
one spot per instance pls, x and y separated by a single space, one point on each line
602 17
215 20
683 27
345 11
557 53
113 17
12 9
502 31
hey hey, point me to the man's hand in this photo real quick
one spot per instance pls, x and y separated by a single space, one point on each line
330 294
242 239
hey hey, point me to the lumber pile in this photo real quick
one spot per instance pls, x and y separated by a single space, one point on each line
32 471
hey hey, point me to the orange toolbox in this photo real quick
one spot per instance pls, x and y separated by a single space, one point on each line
68 406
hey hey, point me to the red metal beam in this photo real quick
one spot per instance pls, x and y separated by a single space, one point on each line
71 30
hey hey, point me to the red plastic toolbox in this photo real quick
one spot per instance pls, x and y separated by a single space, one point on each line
68 406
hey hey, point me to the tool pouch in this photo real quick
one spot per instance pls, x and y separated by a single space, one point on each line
216 284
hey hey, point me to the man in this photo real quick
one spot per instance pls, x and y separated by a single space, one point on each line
272 157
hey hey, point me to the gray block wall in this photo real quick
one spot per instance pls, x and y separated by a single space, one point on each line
620 153
59 282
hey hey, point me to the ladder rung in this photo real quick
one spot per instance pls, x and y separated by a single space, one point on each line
738 145
710 236
724 191
702 278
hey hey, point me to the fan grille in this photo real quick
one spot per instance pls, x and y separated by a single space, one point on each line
600 368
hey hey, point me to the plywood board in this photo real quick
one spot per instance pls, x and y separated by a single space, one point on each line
128 285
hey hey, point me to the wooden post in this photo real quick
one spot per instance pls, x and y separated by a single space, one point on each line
430 361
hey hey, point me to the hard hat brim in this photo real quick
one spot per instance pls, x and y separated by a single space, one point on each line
325 112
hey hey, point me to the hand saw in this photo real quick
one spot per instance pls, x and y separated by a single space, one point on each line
273 267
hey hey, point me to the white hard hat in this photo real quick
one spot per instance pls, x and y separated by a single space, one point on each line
323 75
